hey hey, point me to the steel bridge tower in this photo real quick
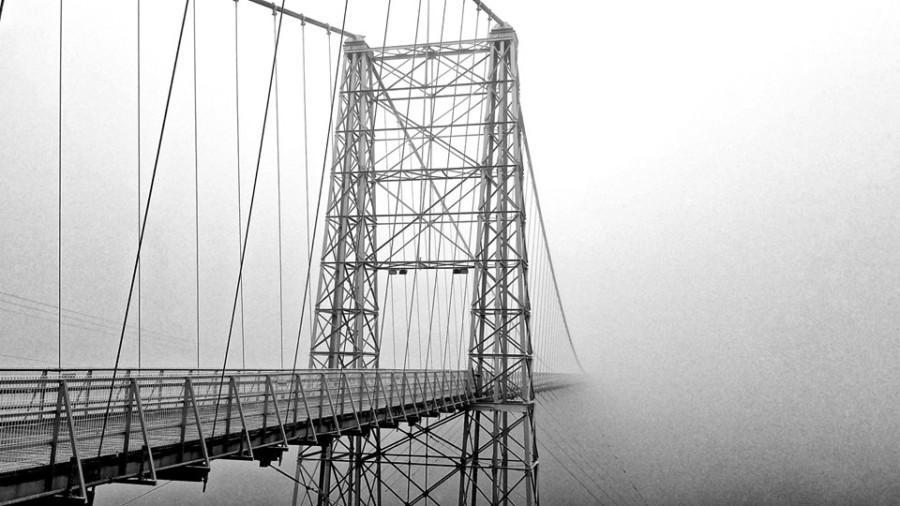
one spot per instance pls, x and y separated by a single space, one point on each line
497 456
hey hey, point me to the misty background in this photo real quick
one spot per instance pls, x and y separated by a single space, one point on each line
719 182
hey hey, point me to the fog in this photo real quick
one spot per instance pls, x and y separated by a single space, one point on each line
727 239
719 182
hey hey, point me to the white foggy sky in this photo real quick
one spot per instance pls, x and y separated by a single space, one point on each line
727 236
720 183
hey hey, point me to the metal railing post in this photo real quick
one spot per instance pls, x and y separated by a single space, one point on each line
352 403
129 407
70 421
265 413
237 399
296 392
387 400
189 386
277 412
403 380
337 425
184 414
309 417
54 444
147 446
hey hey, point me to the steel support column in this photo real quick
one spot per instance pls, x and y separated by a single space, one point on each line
346 331
501 432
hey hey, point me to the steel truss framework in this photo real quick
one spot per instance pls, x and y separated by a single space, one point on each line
428 174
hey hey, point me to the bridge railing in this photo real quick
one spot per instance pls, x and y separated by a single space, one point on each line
68 416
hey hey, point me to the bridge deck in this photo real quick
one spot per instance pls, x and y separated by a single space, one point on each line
56 435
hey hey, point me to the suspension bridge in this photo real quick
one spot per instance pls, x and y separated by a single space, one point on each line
415 315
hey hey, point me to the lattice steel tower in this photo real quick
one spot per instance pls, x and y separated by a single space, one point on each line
418 170
500 351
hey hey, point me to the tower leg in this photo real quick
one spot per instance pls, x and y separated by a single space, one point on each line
346 328
500 348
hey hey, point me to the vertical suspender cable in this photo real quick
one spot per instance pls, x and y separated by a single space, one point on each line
278 182
303 308
435 300
316 221
389 285
59 202
418 233
139 335
309 240
332 90
246 236
196 184
237 115
462 353
137 258
434 297
446 362
402 157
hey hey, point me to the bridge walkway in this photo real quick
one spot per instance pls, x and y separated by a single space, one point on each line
57 437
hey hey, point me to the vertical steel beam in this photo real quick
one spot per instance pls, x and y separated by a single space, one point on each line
346 329
346 332
500 349
325 471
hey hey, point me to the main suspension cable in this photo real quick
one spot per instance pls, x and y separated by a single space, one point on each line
306 19
489 12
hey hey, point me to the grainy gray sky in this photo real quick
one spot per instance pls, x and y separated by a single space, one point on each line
727 237
719 179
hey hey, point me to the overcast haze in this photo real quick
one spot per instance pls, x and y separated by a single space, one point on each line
720 183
